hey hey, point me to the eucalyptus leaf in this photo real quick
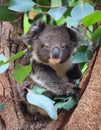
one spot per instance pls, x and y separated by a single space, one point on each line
2 106
56 3
84 68
7 15
64 2
80 11
61 21
37 89
43 102
3 67
70 22
89 54
67 105
82 48
97 33
92 18
14 57
26 24
60 98
57 13
7 1
21 72
21 5
80 57
43 3
98 42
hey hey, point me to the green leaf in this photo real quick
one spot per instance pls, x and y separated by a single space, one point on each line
92 18
7 1
7 15
97 33
60 98
14 57
77 82
83 70
98 42
80 11
61 21
21 72
3 67
43 102
21 5
43 3
64 2
80 57
26 24
55 3
57 13
37 89
82 48
2 106
89 54
67 105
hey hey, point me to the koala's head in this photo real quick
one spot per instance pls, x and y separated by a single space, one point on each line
51 44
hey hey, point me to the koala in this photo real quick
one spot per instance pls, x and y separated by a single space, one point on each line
52 48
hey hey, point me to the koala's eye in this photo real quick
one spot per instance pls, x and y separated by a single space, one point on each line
63 46
46 46
43 45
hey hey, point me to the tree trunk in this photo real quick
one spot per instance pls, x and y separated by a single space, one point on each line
86 116
11 116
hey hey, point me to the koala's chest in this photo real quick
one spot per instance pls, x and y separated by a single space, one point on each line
61 72
61 69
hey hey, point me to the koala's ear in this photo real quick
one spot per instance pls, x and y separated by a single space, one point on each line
73 37
33 32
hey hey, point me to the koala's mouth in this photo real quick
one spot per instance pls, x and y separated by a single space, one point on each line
54 60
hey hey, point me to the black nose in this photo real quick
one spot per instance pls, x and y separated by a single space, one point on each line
55 52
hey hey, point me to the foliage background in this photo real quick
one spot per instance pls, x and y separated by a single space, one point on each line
83 16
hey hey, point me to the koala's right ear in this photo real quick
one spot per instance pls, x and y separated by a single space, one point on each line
33 32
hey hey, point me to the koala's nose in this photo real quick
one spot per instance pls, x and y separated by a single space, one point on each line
55 52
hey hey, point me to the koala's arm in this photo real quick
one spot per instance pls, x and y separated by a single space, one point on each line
74 73
46 77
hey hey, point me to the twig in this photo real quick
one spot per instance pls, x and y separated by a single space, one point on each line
85 29
6 97
43 6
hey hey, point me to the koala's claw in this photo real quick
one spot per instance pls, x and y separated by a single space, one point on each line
74 95
77 88
73 90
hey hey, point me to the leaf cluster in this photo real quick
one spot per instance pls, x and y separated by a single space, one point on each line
36 97
75 13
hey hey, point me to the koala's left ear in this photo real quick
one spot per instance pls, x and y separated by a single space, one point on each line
33 32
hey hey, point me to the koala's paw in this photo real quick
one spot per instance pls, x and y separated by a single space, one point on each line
72 90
